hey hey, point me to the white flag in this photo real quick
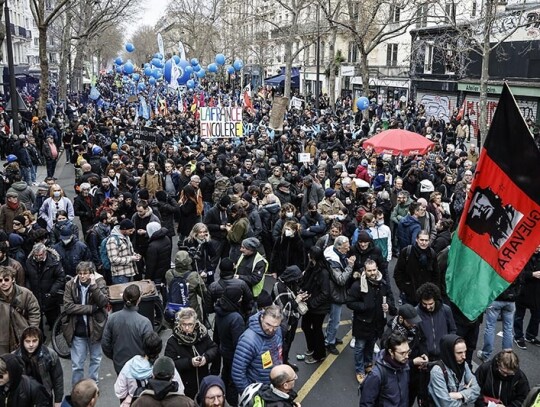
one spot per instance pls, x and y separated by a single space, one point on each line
181 50
160 45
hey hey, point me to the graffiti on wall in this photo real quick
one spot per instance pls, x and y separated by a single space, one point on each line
437 105
472 108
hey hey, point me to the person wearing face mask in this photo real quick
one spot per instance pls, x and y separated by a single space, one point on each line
71 251
84 208
56 202
288 249
286 213
312 226
330 206
62 222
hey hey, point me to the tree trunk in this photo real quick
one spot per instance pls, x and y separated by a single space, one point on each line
78 66
484 74
2 29
364 73
332 67
44 66
288 68
64 57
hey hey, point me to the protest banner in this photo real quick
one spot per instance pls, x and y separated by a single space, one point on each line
304 157
221 122
279 108
146 136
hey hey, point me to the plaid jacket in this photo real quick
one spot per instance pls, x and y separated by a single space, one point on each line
120 252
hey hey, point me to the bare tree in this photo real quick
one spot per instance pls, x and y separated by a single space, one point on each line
44 17
145 43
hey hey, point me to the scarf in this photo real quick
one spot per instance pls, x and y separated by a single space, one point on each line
364 281
408 333
185 338
13 205
424 257
31 363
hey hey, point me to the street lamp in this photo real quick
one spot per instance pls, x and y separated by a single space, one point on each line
11 67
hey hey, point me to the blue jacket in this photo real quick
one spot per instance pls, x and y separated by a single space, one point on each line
407 231
435 325
72 254
389 388
254 347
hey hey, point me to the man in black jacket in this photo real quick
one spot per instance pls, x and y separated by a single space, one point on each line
18 390
216 220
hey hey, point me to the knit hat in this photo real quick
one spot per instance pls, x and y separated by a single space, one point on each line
364 236
43 186
329 192
364 163
226 267
264 299
126 224
225 201
12 194
152 228
66 233
251 243
163 368
247 197
161 196
233 294
21 219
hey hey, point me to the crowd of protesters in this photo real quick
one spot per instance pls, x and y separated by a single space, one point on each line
245 211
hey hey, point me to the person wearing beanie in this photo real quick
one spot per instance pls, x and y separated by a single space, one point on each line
17 389
162 390
213 393
71 250
264 300
226 279
365 249
252 266
330 206
13 207
25 193
158 254
121 253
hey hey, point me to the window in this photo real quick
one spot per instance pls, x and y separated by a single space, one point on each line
353 52
391 54
474 10
450 12
321 52
306 55
355 11
395 12
428 58
421 16
36 42
450 60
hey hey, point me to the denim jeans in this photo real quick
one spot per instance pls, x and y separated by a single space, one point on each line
51 167
121 279
79 350
25 173
506 309
33 173
532 327
363 353
334 319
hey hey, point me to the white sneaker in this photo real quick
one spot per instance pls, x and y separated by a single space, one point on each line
376 349
353 342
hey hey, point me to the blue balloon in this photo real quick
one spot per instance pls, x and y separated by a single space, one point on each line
362 103
136 76
185 71
158 63
196 68
152 80
167 70
190 84
212 68
141 86
158 55
118 69
220 59
194 61
201 74
130 47
230 70
238 65
147 64
159 74
148 71
176 59
128 68
118 61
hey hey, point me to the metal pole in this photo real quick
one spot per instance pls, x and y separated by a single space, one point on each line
12 83
317 57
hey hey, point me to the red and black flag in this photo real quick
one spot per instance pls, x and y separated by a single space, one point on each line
500 225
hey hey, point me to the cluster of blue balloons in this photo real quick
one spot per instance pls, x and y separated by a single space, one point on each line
362 103
157 68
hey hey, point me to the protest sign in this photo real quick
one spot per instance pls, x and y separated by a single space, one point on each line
279 108
222 122
304 157
146 135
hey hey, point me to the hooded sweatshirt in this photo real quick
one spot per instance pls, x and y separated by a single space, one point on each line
206 384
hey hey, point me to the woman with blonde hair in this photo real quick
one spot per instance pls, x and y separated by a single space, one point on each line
201 251
191 349
56 202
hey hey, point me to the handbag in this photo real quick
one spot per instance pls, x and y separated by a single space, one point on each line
302 308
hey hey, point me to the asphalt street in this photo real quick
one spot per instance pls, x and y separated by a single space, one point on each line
331 383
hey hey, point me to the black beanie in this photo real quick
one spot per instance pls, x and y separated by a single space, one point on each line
226 267
264 299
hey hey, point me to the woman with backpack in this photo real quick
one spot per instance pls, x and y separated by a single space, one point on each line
452 384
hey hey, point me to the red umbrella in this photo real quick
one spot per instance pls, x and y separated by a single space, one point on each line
399 141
